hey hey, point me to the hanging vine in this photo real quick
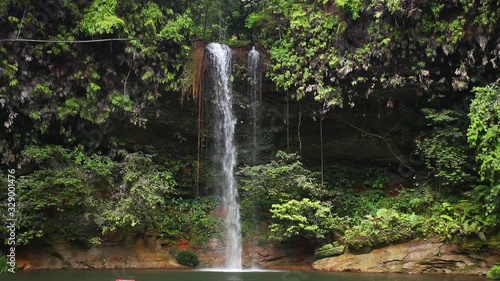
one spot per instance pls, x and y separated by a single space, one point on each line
194 91
193 86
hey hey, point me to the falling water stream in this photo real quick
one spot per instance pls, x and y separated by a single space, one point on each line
255 75
219 63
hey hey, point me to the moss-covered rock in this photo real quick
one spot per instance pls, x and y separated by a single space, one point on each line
329 250
360 244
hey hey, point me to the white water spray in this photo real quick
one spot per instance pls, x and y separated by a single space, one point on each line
255 75
219 62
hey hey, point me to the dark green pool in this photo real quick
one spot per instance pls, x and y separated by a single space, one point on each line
185 275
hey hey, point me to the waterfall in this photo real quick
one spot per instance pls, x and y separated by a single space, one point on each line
219 63
255 75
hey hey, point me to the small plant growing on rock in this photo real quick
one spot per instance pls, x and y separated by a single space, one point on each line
386 228
187 258
329 250
494 272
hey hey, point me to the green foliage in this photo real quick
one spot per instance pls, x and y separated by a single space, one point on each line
177 30
339 51
153 16
254 18
121 101
483 135
187 258
235 42
282 179
450 214
449 219
4 266
393 5
279 181
387 227
330 96
78 197
301 58
101 18
484 130
355 7
139 200
61 183
331 46
193 219
494 272
444 148
329 250
88 82
416 200
304 218
486 200
327 247
69 195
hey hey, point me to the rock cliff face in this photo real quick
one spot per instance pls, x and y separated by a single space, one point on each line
131 253
150 252
430 256
255 254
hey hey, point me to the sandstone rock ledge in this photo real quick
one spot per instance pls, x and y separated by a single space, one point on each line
134 253
431 256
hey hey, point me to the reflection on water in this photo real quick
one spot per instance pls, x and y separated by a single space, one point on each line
235 277
212 275
254 269
121 274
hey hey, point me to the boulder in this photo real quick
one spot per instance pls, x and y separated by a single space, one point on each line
422 256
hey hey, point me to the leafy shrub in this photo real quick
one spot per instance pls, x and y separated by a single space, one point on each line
140 197
461 218
417 199
77 197
187 258
193 219
387 227
63 183
494 272
484 117
305 218
444 150
482 134
284 178
279 181
358 239
101 18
